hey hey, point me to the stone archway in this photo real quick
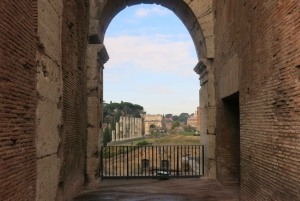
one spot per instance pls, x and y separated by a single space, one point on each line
198 17
155 120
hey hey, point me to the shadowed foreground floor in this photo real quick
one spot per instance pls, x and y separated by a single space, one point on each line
160 190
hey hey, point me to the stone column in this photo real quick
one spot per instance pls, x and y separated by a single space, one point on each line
117 131
49 121
124 128
135 128
207 116
121 128
127 128
113 135
140 127
132 127
96 57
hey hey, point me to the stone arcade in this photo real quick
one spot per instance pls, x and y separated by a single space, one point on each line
51 63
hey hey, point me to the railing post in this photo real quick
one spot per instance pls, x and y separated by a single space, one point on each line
127 164
202 160
177 162
101 163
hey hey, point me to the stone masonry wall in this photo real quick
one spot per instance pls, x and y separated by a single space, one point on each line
258 52
17 100
72 150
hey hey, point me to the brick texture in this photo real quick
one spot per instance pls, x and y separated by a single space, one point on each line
73 146
17 100
265 37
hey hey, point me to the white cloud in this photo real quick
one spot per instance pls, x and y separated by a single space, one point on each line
143 12
156 53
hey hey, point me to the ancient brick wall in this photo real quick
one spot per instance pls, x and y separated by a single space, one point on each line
258 52
17 100
73 145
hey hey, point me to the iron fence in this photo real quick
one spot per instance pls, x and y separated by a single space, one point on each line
165 161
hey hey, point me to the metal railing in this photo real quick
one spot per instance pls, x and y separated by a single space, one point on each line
165 161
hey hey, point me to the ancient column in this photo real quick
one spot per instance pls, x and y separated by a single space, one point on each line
121 128
113 135
124 128
140 127
117 131
96 57
132 127
135 127
127 128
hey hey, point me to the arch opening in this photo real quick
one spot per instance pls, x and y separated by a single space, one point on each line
199 23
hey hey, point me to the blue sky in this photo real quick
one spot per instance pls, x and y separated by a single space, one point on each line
151 63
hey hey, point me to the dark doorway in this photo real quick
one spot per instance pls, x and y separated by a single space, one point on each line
229 151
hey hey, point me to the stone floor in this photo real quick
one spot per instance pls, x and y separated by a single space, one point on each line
160 190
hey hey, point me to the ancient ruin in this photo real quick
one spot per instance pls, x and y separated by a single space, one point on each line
127 128
154 120
52 56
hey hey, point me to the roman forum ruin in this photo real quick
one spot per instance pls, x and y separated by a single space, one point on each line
52 57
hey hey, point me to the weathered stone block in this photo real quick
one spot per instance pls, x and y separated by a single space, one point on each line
49 80
48 122
49 29
47 178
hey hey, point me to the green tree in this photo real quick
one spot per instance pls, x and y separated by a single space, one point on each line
175 117
175 124
183 117
168 115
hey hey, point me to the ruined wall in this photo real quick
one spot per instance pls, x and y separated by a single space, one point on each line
61 98
72 149
257 51
17 100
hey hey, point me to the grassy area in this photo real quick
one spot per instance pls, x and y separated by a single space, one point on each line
187 133
186 138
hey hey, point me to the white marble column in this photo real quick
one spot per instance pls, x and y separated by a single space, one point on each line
117 131
127 128
131 127
135 127
121 128
124 128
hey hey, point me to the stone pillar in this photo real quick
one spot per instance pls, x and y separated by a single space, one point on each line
113 135
135 128
121 128
124 128
127 128
117 131
207 116
140 127
132 127
49 122
96 57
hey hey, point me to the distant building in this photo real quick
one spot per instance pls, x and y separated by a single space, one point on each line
168 124
192 121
